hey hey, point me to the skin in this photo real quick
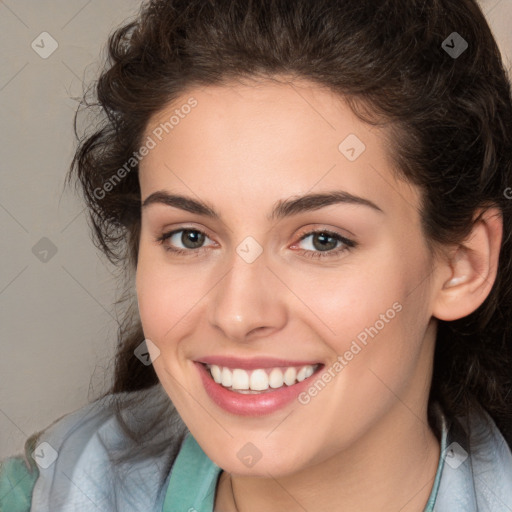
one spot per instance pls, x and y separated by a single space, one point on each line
363 443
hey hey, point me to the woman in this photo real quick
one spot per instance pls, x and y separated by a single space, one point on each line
311 202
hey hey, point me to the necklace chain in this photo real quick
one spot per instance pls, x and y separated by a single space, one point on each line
233 493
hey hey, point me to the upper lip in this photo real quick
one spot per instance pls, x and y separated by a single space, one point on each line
252 363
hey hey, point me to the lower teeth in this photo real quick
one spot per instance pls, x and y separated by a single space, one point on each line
246 391
252 392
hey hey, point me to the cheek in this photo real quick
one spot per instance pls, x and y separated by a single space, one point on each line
163 297
381 332
342 302
374 311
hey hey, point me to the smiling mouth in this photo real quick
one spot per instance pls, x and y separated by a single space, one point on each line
260 380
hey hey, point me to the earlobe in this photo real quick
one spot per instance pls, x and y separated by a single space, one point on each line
471 269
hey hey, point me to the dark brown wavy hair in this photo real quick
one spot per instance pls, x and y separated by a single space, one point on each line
449 122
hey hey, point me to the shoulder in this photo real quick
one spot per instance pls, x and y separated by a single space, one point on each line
491 460
477 469
113 454
17 478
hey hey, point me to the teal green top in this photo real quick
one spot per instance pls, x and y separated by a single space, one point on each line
16 483
17 479
191 487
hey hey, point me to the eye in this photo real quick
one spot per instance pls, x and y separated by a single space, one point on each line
324 244
191 239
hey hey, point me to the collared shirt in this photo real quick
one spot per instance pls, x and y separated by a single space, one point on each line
474 473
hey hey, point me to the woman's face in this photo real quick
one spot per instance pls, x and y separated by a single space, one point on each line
307 253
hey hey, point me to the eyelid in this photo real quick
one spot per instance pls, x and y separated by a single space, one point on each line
316 228
173 229
168 233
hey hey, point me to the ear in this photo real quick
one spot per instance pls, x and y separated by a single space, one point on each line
469 272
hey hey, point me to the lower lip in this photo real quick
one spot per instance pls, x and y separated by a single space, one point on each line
251 404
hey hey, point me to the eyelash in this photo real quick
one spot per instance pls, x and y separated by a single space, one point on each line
347 244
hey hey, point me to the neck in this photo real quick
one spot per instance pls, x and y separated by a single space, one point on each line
391 468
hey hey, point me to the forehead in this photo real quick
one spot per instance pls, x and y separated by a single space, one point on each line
269 136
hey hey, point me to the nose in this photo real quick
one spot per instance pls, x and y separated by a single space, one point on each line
248 302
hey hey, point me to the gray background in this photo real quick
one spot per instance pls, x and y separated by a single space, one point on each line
57 320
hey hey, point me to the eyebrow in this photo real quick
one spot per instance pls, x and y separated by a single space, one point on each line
281 209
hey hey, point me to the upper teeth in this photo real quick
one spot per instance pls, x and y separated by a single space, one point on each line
260 379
